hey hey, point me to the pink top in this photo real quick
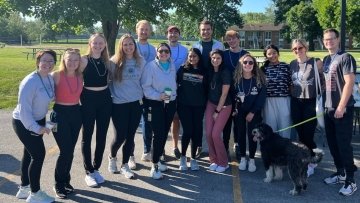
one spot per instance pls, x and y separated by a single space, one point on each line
68 89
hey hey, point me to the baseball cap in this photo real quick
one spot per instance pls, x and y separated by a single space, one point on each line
172 27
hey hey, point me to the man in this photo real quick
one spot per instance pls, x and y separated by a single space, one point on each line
206 45
339 68
146 50
179 56
231 59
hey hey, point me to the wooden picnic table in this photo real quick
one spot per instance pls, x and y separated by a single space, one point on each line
34 50
260 60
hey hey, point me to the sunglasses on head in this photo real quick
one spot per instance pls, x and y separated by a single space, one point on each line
248 62
72 50
298 48
161 51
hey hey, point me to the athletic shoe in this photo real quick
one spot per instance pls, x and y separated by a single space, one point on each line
183 166
252 166
335 179
132 163
348 189
176 153
311 169
90 180
194 165
146 157
126 171
69 188
98 177
60 192
221 169
112 167
39 197
23 192
198 152
243 163
155 173
213 167
162 167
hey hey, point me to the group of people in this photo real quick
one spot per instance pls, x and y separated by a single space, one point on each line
167 84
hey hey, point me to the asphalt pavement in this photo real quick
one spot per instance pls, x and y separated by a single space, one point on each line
176 186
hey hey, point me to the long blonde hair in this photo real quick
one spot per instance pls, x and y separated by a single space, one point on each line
62 66
120 58
257 73
104 54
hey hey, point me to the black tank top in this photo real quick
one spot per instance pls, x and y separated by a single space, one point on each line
95 73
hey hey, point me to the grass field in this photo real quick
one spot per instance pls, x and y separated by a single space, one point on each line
14 66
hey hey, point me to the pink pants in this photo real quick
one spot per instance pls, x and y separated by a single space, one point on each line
214 128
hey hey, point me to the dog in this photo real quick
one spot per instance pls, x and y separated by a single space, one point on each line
277 151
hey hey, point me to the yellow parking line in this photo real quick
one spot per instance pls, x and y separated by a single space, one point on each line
51 151
236 177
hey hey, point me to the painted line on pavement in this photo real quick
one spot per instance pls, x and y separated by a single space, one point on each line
235 173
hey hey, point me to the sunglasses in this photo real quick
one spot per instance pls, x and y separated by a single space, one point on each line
72 50
298 48
161 51
248 62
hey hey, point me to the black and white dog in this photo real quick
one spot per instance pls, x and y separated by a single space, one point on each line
277 151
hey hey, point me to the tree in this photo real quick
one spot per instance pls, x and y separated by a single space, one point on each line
302 23
283 6
260 18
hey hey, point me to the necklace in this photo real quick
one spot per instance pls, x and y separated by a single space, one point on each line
69 86
148 51
242 93
91 59
177 53
327 65
213 81
46 89
231 61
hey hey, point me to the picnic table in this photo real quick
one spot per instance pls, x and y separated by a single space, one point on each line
33 50
260 60
2 45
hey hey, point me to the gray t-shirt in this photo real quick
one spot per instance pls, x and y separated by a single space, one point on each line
335 67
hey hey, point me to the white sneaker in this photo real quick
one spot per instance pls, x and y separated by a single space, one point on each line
155 173
194 165
335 179
348 189
126 171
311 169
221 169
39 197
146 157
112 167
90 180
98 177
23 192
243 163
132 163
183 166
162 167
213 167
252 166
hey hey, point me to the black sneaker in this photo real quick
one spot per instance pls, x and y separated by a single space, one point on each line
60 192
237 152
198 152
176 153
69 188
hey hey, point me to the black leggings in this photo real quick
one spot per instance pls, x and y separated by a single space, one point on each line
95 106
33 155
161 118
126 119
191 119
227 132
69 122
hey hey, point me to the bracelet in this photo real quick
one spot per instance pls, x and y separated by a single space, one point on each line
216 111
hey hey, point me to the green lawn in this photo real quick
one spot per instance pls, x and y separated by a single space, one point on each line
14 66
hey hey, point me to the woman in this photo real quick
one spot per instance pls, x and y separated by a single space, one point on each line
191 81
95 106
278 78
125 73
250 94
217 111
303 95
68 87
159 85
36 91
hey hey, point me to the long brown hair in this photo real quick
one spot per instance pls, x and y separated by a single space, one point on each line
257 73
120 59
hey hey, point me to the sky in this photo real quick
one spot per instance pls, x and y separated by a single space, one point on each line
254 5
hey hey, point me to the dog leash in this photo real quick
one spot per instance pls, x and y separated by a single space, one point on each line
302 122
